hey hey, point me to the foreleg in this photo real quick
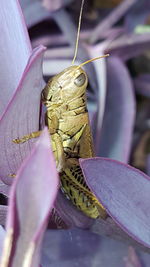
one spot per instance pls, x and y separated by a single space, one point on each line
27 137
57 147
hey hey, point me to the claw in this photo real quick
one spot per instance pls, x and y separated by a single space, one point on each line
12 175
18 141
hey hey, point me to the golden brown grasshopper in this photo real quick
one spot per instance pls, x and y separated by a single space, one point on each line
67 120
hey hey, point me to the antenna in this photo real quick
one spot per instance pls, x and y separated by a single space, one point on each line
90 60
78 33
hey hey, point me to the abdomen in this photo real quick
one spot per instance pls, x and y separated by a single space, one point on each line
76 190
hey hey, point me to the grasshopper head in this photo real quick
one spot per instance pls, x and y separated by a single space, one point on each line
65 86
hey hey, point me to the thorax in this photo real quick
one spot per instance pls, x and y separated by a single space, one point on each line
67 117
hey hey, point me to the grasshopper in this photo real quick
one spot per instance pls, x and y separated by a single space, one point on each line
68 122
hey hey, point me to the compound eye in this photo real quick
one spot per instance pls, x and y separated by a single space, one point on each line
80 80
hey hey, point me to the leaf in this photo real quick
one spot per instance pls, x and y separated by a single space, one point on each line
100 70
4 189
124 192
15 49
111 19
31 200
76 247
142 83
21 117
132 260
137 15
118 122
129 45
2 236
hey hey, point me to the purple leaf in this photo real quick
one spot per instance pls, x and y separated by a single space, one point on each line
76 247
32 197
129 45
142 84
15 49
2 236
111 19
137 15
73 247
132 260
61 40
4 189
118 121
21 117
125 193
53 6
34 12
100 69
